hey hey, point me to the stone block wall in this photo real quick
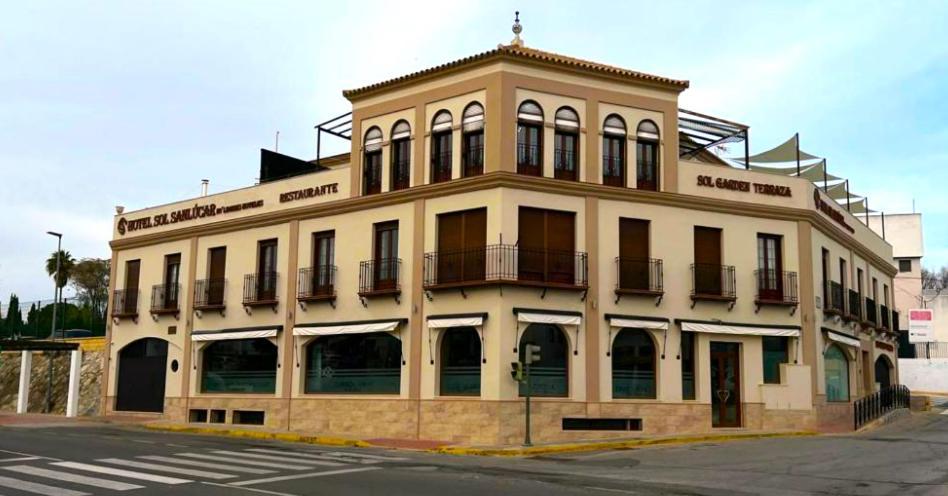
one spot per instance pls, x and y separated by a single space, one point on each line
89 382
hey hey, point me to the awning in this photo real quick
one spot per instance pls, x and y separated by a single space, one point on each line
248 333
360 327
456 320
638 323
739 329
534 316
842 338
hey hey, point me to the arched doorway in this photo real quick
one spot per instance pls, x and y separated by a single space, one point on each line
549 376
836 370
883 371
460 362
633 365
141 376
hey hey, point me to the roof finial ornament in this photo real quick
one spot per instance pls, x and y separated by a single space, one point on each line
517 29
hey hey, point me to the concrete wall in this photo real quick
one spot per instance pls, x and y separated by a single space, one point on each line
924 375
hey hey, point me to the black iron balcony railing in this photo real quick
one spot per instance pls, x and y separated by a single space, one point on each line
871 316
209 293
835 303
164 298
896 327
776 287
506 264
877 404
473 161
713 282
379 276
260 288
884 318
528 160
401 172
125 303
639 276
613 169
317 283
565 164
441 167
854 308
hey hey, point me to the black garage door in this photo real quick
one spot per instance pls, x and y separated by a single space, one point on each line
141 376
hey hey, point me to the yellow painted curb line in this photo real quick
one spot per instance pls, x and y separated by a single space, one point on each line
289 437
606 445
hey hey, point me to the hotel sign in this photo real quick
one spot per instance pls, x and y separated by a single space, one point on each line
831 212
183 215
745 186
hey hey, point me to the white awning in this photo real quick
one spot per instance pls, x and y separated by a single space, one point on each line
347 328
465 321
842 338
548 318
225 335
637 323
739 329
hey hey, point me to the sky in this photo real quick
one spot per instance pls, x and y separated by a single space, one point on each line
133 103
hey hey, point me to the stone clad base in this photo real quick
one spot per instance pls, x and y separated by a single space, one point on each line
477 422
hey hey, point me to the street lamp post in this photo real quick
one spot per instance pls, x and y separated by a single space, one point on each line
52 331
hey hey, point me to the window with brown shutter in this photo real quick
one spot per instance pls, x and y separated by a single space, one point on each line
634 254
386 255
215 275
546 245
462 240
707 270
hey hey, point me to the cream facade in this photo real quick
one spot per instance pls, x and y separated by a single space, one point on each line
668 294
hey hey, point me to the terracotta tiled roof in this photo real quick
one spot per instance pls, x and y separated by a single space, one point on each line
520 52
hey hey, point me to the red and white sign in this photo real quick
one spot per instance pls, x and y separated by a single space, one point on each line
921 325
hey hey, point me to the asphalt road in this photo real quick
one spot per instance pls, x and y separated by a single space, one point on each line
909 457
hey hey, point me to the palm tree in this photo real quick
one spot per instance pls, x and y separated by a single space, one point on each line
66 264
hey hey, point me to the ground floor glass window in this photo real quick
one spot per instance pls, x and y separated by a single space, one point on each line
354 363
688 365
836 369
460 362
239 366
549 376
633 365
775 352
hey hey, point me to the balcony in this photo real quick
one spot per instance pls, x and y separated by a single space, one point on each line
209 295
125 304
613 168
854 308
712 282
506 264
639 277
895 322
834 304
380 278
317 284
776 288
565 164
473 161
260 289
871 317
884 318
441 167
164 299
529 162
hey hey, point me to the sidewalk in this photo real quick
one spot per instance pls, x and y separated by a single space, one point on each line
51 419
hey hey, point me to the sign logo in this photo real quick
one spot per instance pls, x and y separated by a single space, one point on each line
121 226
921 325
830 212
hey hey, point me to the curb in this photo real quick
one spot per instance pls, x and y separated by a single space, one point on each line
252 434
607 445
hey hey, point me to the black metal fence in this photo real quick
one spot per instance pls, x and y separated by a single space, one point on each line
834 298
877 404
317 282
125 302
884 317
613 170
441 167
714 281
501 262
377 276
871 311
637 274
778 286
260 287
529 161
164 297
209 293
565 164
854 309
473 161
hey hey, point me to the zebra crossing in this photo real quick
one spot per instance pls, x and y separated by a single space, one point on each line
236 468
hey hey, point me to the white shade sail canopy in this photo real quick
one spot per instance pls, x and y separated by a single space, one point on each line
538 317
735 329
459 321
269 332
347 328
637 323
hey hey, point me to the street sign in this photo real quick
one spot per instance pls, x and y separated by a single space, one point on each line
921 325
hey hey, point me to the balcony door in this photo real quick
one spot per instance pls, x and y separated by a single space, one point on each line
546 246
769 267
266 270
633 254
324 254
215 275
462 238
725 384
386 255
172 276
707 272
132 270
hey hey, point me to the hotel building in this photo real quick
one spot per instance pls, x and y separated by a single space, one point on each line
514 196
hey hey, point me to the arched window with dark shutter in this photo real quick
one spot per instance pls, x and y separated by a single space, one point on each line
441 137
401 155
646 146
549 376
472 140
372 162
460 362
530 139
566 144
633 365
613 151
239 366
367 363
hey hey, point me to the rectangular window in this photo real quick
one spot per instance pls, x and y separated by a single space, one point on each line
132 270
265 284
843 277
128 301
441 157
647 177
239 366
634 267
885 295
905 265
214 290
875 289
546 249
401 163
324 263
707 257
172 276
826 278
462 238
386 255
565 156
769 267
613 160
859 282
473 153
529 149
372 173
776 351
688 365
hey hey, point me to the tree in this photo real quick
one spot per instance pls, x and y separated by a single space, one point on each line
90 278
13 322
935 280
66 264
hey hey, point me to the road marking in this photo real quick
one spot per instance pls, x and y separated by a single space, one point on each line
370 457
256 463
337 456
121 473
219 466
167 468
74 478
20 459
944 412
303 476
287 459
251 489
312 456
36 488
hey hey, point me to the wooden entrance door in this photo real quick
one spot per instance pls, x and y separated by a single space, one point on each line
216 275
725 384
707 271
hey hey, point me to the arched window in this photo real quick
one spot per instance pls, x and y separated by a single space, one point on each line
530 139
633 365
239 366
441 138
401 155
372 162
836 370
354 363
460 362
566 144
472 140
646 145
883 371
613 151
549 376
